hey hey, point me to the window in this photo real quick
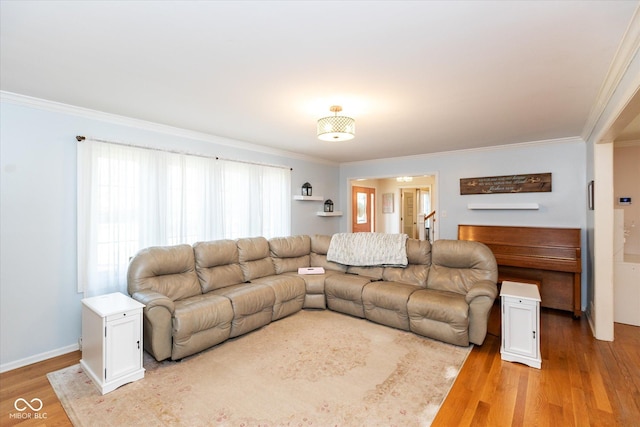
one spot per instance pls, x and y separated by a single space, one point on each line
130 198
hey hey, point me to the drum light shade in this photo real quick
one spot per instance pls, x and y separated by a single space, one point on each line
336 128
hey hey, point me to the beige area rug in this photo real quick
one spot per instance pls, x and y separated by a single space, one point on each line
314 368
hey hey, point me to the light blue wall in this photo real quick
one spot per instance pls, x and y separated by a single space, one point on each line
39 304
564 206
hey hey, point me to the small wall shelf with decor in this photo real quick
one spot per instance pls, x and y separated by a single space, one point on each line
311 198
335 213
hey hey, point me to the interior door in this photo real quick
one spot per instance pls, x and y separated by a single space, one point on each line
362 211
409 216
424 207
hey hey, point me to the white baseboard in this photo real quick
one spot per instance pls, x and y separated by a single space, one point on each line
38 358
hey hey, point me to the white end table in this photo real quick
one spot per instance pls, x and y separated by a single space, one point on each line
520 323
112 340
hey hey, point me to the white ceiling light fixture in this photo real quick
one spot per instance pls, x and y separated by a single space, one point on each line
404 179
336 128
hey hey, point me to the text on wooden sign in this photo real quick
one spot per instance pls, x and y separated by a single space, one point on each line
529 183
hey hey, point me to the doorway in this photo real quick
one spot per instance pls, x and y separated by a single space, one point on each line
600 286
363 209
409 215
416 216
385 211
426 215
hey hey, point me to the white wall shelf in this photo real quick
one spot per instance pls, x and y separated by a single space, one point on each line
514 206
309 198
335 213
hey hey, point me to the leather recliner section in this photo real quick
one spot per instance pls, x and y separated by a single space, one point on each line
259 268
198 296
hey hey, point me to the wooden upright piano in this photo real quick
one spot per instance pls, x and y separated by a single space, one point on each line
549 257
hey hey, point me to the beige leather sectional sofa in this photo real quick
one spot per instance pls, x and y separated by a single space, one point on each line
198 296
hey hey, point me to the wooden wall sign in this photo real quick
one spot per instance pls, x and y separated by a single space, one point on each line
530 183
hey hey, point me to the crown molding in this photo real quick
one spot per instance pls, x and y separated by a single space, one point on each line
627 50
567 140
58 107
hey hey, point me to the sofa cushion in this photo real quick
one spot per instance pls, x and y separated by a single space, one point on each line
252 306
200 322
319 247
314 285
289 291
386 303
319 260
320 243
419 252
168 270
374 273
344 293
412 274
290 253
254 258
217 264
440 315
458 264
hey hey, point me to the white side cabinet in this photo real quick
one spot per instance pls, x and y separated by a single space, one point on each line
112 340
520 323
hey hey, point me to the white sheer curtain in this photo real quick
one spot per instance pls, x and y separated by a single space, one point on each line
254 201
130 198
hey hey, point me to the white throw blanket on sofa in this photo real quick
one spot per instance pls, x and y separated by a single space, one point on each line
363 249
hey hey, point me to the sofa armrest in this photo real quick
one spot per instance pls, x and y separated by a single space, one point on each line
480 299
482 288
156 323
153 299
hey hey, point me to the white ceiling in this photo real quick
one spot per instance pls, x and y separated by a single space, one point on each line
418 77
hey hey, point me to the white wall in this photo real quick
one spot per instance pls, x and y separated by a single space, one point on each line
588 268
564 206
389 222
601 312
39 305
626 183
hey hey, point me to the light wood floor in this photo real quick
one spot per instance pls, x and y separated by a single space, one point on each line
582 382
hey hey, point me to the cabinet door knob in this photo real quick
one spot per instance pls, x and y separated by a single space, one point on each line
139 342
